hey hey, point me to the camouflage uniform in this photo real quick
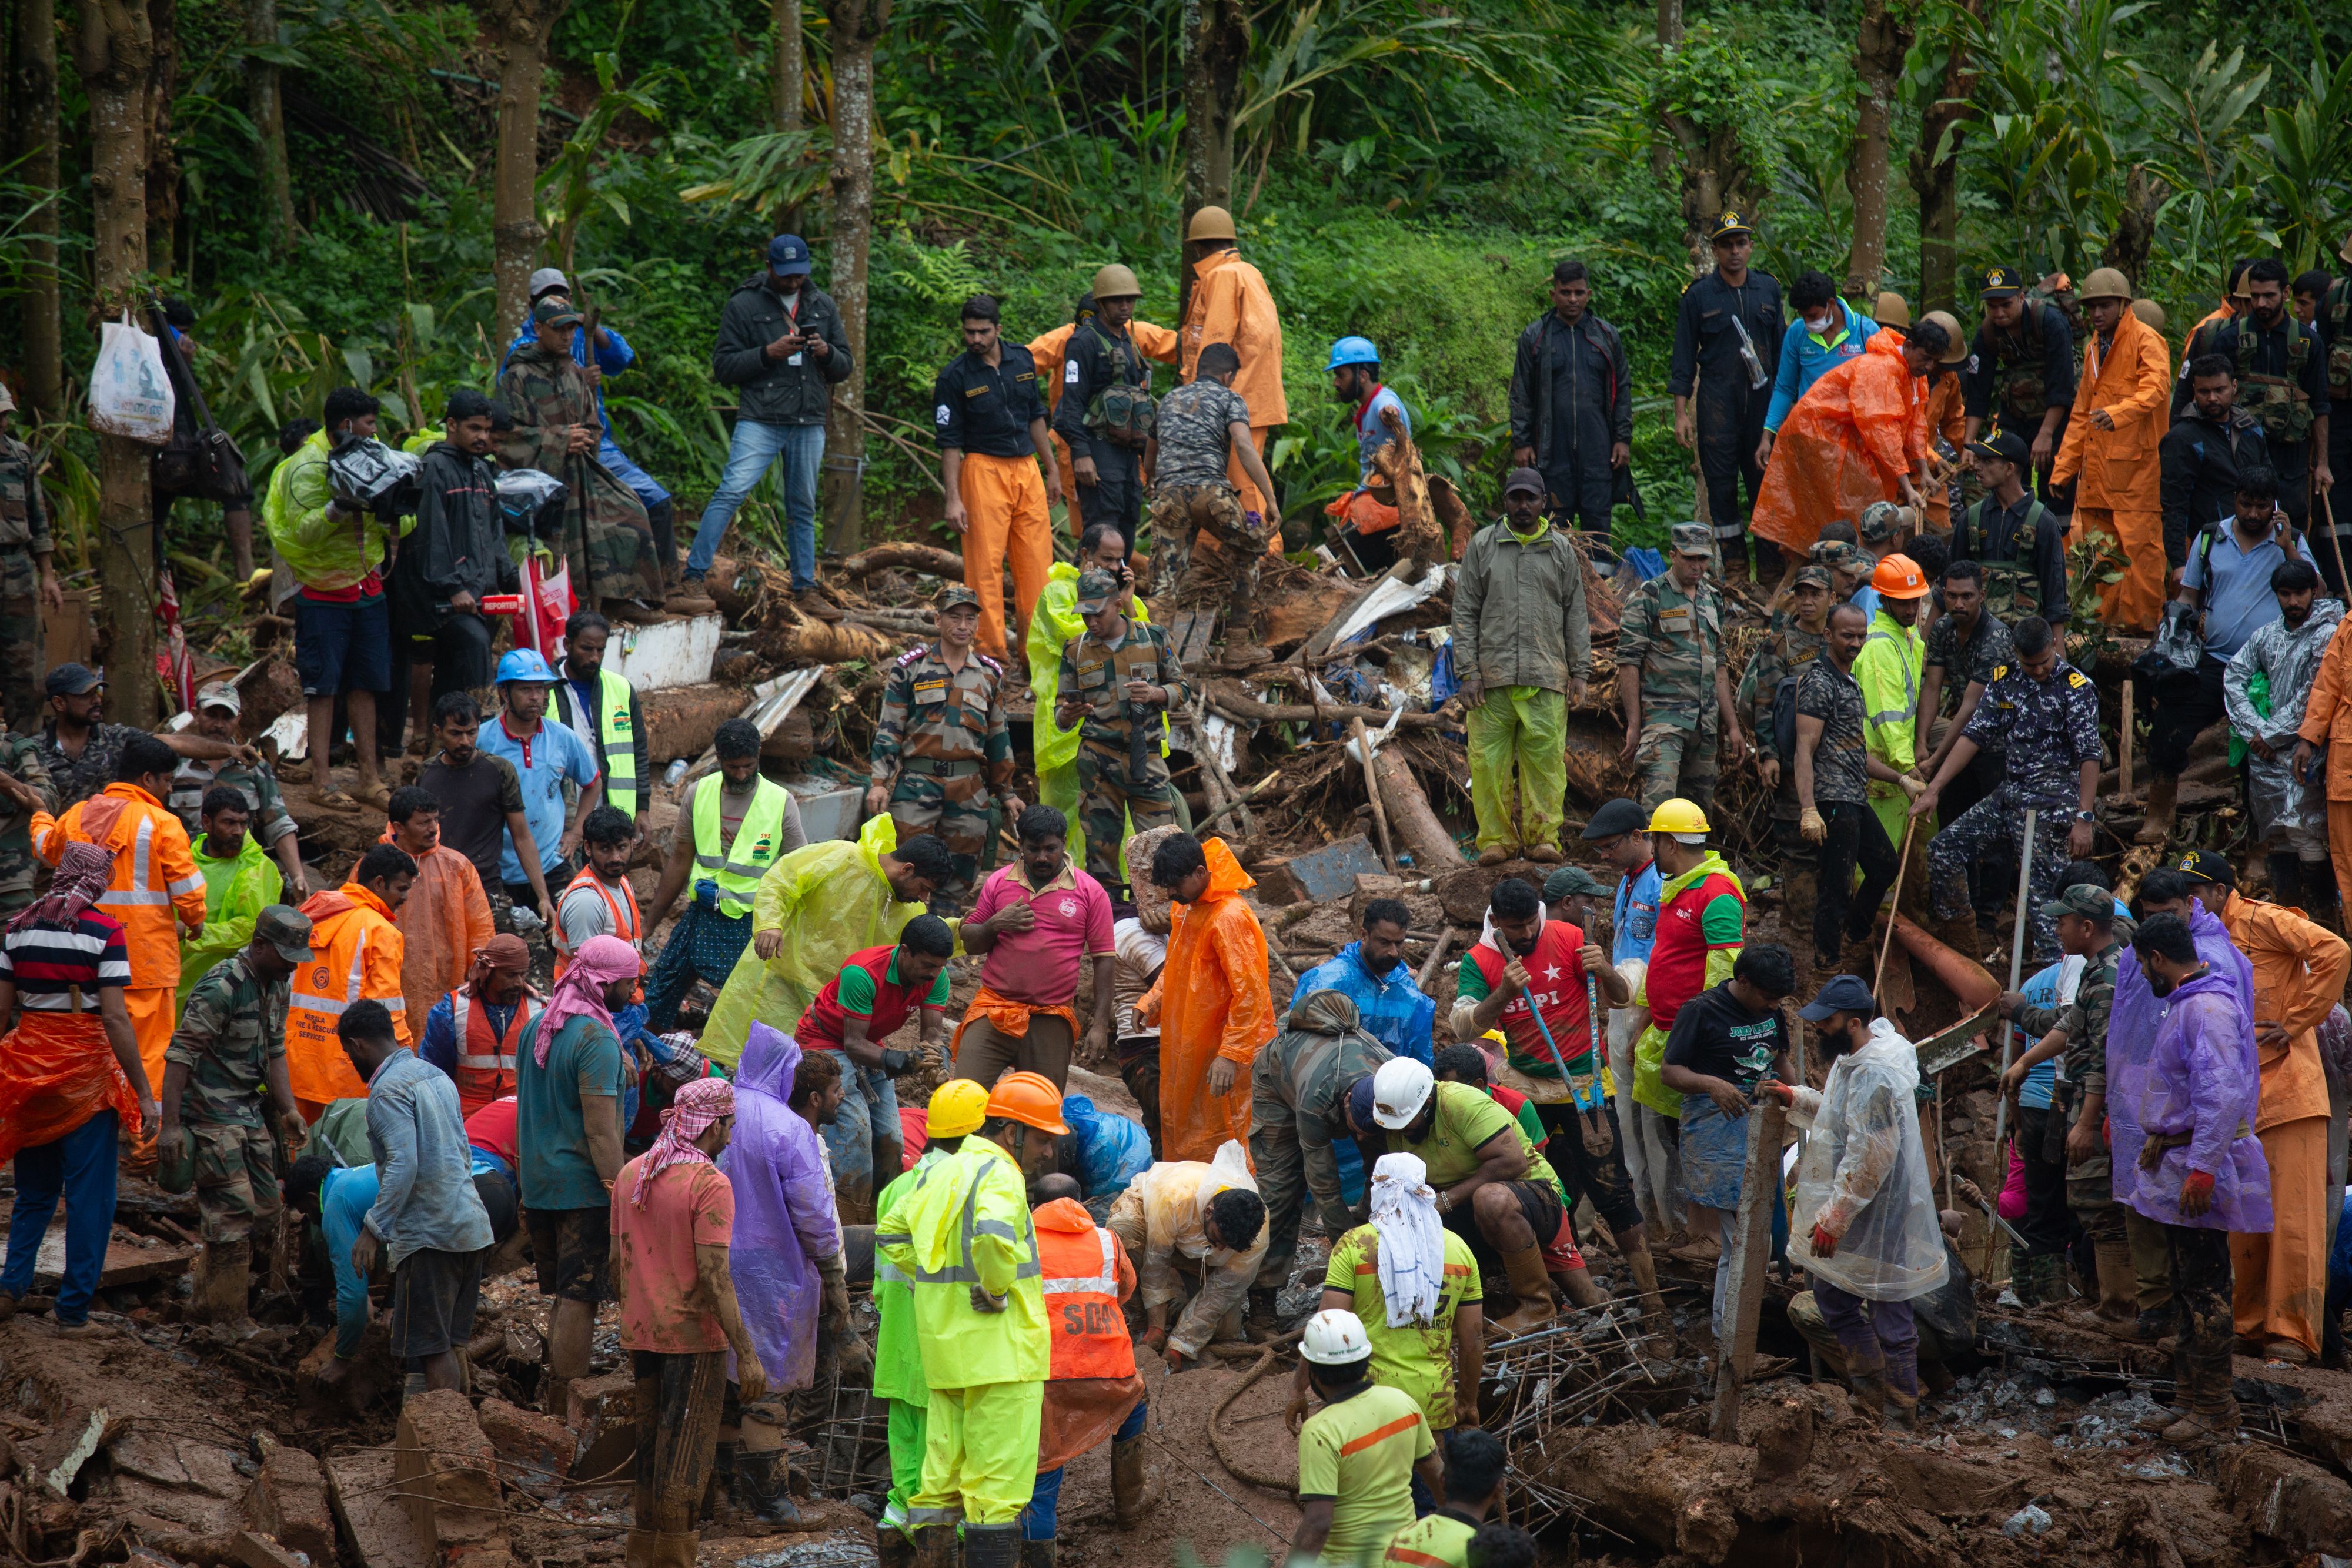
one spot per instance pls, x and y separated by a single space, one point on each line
1120 783
232 1028
257 782
2015 568
2083 1071
2050 728
1191 493
77 778
20 754
1675 641
608 540
1786 648
942 747
23 540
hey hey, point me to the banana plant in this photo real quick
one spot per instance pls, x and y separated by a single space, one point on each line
572 184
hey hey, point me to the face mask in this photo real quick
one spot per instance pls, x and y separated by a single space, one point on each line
1822 325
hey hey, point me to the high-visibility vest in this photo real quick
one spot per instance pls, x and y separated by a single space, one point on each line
627 924
486 1063
154 877
1082 1309
738 866
616 736
355 952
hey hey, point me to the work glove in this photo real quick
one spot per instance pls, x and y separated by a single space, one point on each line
2196 1194
1911 785
1810 824
894 1061
1776 1091
1825 1244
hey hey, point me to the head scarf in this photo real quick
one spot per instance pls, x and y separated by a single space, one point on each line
1412 1241
83 873
581 993
700 1104
503 951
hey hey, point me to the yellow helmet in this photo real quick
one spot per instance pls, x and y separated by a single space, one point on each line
1115 282
1214 223
957 1106
1678 816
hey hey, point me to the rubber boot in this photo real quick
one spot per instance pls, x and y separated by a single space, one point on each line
2117 1309
935 1546
991 1545
676 1551
1038 1553
1870 1392
2212 1415
2163 799
892 1548
1265 1321
226 1283
1131 1485
761 1488
1532 1286
639 1552
1498 855
1902 1412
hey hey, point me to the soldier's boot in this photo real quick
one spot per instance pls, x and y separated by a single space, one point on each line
1131 1491
226 1283
762 1489
1242 650
1870 1391
1532 1286
892 1547
2163 800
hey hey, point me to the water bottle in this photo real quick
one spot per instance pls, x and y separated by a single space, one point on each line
673 773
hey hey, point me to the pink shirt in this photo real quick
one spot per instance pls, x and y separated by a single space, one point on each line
692 1204
1040 965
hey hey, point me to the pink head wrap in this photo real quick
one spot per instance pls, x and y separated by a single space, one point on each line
700 1104
581 993
84 871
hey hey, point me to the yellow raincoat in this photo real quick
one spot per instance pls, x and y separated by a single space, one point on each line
829 900
1052 623
236 889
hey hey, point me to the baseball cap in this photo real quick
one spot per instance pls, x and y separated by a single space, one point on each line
554 312
1614 819
1844 994
286 928
2005 444
1816 576
2002 283
1571 881
789 254
549 279
1836 555
1523 479
2083 898
219 694
953 595
1692 538
2204 865
1727 224
1096 587
72 680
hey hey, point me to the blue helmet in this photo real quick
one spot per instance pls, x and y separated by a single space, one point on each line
1353 351
524 665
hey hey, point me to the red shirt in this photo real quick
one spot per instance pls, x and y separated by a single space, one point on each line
491 1130
873 993
1678 956
1555 982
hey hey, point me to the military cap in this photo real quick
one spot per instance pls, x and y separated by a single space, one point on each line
955 596
286 928
2085 898
219 694
1882 520
1571 881
554 312
1836 555
1096 587
1614 819
2005 444
1812 576
1729 223
2002 283
1692 538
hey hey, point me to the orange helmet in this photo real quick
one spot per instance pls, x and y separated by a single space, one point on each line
1029 1098
1899 577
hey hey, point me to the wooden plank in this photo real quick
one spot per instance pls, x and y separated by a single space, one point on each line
127 1261
1752 1246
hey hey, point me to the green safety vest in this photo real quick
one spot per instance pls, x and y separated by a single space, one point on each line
757 845
623 747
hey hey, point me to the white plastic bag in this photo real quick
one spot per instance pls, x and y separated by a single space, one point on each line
130 395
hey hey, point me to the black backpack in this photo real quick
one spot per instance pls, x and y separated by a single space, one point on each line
1784 715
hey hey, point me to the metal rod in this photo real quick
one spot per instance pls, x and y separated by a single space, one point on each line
2016 977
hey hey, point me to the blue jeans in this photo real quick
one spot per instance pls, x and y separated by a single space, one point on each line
648 490
81 1167
869 1115
1042 1520
755 445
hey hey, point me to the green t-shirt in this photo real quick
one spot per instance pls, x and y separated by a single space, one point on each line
1418 1359
1440 1541
551 1127
1466 1118
1361 1453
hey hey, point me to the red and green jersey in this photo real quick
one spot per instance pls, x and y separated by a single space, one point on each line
867 988
1703 911
1554 984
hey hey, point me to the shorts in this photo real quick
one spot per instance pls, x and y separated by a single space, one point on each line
342 647
1601 1178
432 1298
572 1247
1539 1205
497 1192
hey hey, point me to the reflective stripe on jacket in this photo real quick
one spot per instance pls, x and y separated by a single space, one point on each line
628 924
737 865
155 874
967 1223
1081 1287
486 1063
614 735
355 953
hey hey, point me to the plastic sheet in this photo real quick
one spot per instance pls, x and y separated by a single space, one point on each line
1865 1176
1113 1150
1856 432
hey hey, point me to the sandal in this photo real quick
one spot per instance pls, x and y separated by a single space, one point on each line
335 799
378 795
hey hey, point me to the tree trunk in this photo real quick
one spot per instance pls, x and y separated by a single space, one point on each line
1881 41
1935 179
1409 816
1670 23
1216 46
33 124
163 157
792 64
268 108
114 52
521 28
857 27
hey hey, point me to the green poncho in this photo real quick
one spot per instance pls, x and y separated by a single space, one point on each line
236 889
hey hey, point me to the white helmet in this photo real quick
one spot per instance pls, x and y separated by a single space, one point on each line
1400 1088
1334 1337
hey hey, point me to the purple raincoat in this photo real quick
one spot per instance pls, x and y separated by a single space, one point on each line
784 1218
2131 1036
2202 1079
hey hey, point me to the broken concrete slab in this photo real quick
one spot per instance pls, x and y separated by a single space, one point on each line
260 1552
172 1461
290 1503
535 1451
675 651
448 1477
604 1418
375 1517
1320 875
130 1257
2289 1499
75 1438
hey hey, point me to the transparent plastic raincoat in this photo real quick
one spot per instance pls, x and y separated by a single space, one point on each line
1864 1176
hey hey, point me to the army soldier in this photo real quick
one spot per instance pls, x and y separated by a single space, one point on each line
1670 681
1794 640
218 706
1118 674
26 580
227 1053
1105 409
2048 713
608 541
1728 335
25 788
941 746
2019 542
2282 369
2213 444
1200 427
2020 370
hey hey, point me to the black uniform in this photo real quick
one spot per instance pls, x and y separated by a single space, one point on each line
2015 377
2335 324
1098 359
2283 381
987 409
1571 400
1731 398
2202 461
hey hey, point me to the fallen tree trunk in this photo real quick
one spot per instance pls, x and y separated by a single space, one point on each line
825 642
1410 815
926 558
1232 705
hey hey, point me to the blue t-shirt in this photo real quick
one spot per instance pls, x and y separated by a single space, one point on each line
1372 431
2042 991
2239 601
550 1132
1866 599
343 1203
1637 923
542 765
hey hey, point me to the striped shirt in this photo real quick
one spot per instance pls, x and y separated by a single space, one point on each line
46 962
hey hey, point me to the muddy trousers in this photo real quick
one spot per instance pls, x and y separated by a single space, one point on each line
2198 1262
1877 1338
2280 1276
980 1455
1527 726
907 1424
677 1406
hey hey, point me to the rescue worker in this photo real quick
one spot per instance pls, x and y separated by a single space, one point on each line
1179 1216
1947 422
1572 403
877 992
1827 332
942 755
1887 670
2234 303
154 880
957 1109
1052 621
2281 368
1728 332
473 1033
1203 429
1228 302
2333 321
2019 542
990 415
965 1237
446 918
1213 1001
1372 972
1359 1455
1355 372
25 788
1093 1390
1791 640
1046 348
359 950
1965 646
217 708
2021 375
2047 712
1299 1114
1834 766
600 707
1103 411
1120 674
2211 447
2108 457
239 882
1701 926
1031 924
1856 438
600 902
1671 679
1520 627
28 582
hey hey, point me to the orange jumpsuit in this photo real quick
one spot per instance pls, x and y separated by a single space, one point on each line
155 879
1231 304
1848 442
2328 721
1945 417
1212 999
2119 492
2280 1277
355 953
1046 348
443 922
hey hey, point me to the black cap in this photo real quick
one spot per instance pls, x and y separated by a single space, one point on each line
2204 865
1844 994
1615 818
2006 444
2002 283
72 680
1727 224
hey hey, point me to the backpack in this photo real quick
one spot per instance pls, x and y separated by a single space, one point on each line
1784 714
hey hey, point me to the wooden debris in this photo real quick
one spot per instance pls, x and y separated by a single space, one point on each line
1752 1246
1401 799
929 559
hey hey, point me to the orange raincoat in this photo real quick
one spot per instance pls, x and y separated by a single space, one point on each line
57 1072
1047 347
443 922
1231 304
1212 999
1945 417
2328 721
2120 491
355 953
1848 442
